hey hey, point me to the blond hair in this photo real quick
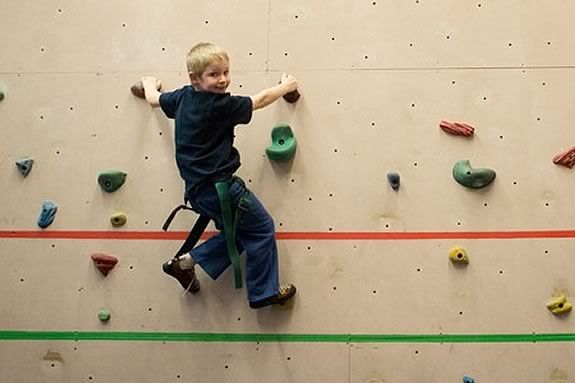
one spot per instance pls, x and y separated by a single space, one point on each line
202 55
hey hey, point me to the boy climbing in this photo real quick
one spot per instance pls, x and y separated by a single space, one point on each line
205 117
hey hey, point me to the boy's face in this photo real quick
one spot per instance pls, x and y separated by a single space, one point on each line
215 79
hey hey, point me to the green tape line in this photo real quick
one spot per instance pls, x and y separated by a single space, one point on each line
281 338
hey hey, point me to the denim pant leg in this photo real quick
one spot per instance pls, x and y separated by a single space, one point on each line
212 255
255 234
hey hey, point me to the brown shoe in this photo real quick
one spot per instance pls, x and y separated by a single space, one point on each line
187 278
285 293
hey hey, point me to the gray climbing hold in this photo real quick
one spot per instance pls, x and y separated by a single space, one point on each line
25 165
394 180
467 379
111 180
47 214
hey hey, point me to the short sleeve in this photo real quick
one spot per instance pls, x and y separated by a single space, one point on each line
169 102
240 109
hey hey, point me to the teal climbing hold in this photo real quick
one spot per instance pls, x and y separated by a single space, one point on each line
47 214
283 145
472 178
25 165
111 180
467 379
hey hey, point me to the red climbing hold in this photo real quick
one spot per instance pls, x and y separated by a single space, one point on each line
104 262
567 158
457 128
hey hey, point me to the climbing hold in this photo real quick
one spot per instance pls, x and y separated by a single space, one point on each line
559 305
457 128
567 158
111 180
47 214
118 219
1 95
292 97
104 315
284 143
467 379
393 179
458 255
25 165
138 90
465 175
104 262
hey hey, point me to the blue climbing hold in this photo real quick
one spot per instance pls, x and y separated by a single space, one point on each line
467 379
25 165
394 180
47 214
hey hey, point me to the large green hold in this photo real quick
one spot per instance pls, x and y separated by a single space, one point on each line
111 180
471 178
283 145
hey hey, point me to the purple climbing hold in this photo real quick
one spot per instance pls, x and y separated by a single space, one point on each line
394 180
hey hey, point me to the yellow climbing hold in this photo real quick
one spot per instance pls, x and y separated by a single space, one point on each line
118 219
459 255
559 305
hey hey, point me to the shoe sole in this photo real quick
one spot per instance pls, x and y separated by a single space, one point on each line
193 286
274 300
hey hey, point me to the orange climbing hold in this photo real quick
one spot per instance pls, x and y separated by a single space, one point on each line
457 128
567 158
104 262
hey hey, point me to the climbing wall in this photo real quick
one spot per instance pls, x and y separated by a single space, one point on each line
378 298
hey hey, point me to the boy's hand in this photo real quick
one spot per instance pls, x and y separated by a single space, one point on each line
150 82
151 90
289 81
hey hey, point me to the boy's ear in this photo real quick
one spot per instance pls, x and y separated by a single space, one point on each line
193 78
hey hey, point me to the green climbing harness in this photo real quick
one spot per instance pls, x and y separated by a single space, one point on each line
230 223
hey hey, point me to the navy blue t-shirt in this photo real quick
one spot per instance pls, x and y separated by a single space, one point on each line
205 133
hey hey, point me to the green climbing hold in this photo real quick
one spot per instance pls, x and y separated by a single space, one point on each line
111 180
283 145
1 95
104 315
118 219
465 175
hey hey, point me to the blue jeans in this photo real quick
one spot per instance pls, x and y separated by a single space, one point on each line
255 234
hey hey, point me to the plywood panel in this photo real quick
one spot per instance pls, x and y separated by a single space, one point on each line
376 79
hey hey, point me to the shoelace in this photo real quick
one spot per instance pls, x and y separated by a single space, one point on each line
283 290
